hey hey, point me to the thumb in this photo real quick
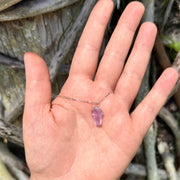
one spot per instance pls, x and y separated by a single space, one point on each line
38 85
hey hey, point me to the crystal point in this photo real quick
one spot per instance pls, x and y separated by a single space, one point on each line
97 115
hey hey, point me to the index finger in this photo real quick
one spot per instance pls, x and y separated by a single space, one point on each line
87 52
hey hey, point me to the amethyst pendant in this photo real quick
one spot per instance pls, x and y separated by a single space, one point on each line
97 115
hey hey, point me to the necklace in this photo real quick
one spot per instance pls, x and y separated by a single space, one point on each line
96 112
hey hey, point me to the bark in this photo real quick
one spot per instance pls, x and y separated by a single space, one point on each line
31 8
11 62
7 3
11 133
12 92
39 34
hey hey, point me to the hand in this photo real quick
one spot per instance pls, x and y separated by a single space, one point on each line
61 139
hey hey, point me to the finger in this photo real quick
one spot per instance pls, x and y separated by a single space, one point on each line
132 75
87 52
119 44
146 111
38 86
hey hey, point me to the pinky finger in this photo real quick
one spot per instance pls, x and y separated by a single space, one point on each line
147 110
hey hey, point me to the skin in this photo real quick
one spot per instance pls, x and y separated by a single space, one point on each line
61 139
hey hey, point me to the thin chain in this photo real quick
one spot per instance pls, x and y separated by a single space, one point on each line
84 101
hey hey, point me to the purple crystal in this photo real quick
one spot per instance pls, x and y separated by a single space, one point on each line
97 115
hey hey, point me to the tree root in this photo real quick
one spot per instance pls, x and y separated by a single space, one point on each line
150 153
11 133
172 123
168 160
4 175
13 164
140 170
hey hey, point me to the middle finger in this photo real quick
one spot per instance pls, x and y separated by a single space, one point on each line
118 47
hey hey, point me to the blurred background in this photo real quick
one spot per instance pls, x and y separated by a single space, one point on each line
51 28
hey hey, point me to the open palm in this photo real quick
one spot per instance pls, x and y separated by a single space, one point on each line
61 138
